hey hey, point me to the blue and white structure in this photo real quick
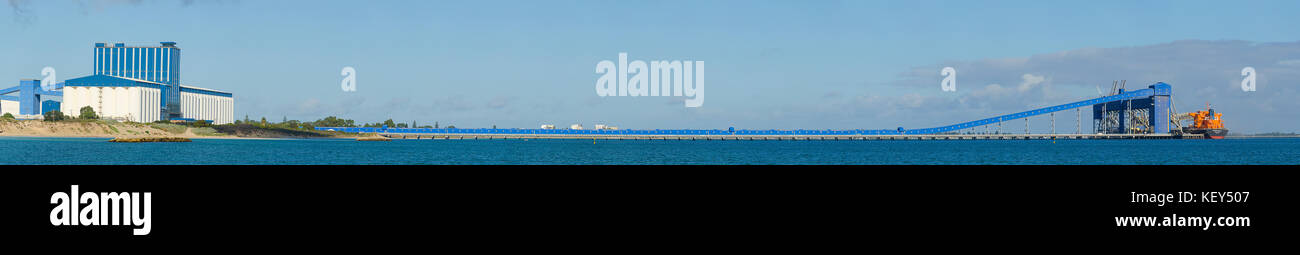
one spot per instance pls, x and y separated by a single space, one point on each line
207 104
159 64
28 99
142 84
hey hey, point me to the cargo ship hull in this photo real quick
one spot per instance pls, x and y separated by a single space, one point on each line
1209 133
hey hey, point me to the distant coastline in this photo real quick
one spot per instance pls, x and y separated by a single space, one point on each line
1261 136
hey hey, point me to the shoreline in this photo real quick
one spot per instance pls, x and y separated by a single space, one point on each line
179 136
113 129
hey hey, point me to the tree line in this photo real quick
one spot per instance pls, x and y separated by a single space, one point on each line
331 121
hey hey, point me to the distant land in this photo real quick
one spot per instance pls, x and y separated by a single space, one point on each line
1268 134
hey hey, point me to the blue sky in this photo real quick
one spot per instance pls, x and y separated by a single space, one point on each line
770 64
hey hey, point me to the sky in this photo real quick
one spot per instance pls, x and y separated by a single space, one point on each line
770 64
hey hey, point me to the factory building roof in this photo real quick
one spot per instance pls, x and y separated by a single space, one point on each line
135 80
100 80
198 90
183 86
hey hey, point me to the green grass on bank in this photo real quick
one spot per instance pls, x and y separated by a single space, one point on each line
206 131
170 128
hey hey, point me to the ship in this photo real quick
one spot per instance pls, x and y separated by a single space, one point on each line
1206 123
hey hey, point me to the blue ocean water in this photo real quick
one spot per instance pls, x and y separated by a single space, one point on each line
30 150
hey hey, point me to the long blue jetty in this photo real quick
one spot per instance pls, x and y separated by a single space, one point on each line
1153 102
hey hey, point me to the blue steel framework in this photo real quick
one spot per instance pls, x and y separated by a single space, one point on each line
1159 93
159 64
1156 107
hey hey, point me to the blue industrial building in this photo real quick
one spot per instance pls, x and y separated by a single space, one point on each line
132 83
159 64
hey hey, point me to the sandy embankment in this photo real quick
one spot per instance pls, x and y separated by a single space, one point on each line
88 129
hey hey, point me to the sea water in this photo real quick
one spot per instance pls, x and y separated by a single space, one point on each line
30 150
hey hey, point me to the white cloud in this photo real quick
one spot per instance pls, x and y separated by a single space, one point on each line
1029 81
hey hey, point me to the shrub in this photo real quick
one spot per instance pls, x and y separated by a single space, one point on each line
88 113
54 115
332 121
8 116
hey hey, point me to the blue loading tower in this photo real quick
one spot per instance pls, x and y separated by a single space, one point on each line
1150 114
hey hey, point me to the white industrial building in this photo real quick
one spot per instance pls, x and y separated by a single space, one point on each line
206 104
135 100
138 104
9 106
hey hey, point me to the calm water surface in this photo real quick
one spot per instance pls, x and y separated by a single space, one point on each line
25 150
